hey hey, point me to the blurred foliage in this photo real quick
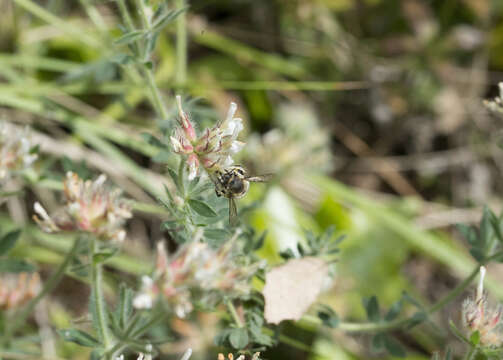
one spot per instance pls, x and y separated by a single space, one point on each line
382 95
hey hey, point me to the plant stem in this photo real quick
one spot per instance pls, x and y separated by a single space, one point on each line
97 295
472 354
156 95
234 313
49 285
59 23
398 323
181 45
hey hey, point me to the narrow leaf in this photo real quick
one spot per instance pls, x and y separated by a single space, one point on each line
372 308
8 241
129 37
394 347
15 266
201 208
79 337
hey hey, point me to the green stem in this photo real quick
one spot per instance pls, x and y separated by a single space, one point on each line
398 323
57 22
472 354
49 285
97 295
181 45
156 94
234 313
156 97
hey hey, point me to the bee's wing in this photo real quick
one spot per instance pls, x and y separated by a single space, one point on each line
233 212
260 178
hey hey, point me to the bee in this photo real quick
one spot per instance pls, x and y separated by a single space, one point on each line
233 183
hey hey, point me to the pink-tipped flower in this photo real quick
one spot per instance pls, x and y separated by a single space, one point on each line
90 207
196 268
15 150
17 289
214 148
478 316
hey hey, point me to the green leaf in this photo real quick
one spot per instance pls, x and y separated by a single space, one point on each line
486 228
394 347
496 223
15 266
122 59
216 234
378 342
475 338
166 18
448 354
238 338
8 241
394 310
329 319
468 233
221 338
129 37
79 337
416 319
152 140
372 307
125 306
104 255
175 178
201 208
458 333
97 354
162 157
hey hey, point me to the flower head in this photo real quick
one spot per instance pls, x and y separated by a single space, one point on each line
15 150
90 207
17 289
255 356
214 148
195 269
496 105
478 316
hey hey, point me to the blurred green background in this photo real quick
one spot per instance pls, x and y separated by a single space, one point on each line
370 111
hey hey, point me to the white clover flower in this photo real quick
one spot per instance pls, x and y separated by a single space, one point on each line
145 299
496 105
15 150
214 148
90 207
478 316
194 267
17 289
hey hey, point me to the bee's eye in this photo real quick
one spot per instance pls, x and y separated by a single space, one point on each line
236 185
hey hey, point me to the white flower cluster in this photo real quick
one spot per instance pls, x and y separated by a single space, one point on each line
90 207
15 150
214 148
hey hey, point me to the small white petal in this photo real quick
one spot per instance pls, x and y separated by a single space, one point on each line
187 354
147 281
39 209
100 180
177 146
236 147
232 110
142 301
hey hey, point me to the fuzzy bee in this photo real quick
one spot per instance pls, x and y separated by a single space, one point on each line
233 183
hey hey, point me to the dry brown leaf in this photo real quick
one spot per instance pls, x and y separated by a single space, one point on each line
291 288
